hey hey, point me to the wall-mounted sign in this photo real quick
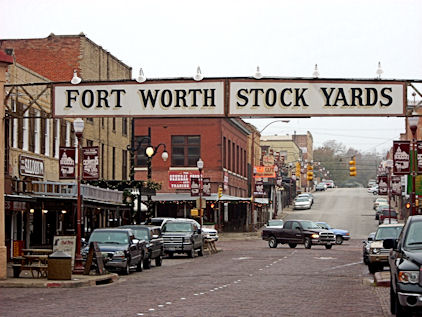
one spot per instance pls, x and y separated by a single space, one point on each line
396 187
90 162
401 157
259 189
382 185
30 166
181 179
67 162
419 157
247 97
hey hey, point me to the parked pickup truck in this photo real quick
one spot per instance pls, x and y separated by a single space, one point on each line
296 232
405 266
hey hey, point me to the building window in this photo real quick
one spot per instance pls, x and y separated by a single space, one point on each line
102 122
89 143
124 164
103 155
233 168
114 124
113 163
229 155
185 150
224 153
124 126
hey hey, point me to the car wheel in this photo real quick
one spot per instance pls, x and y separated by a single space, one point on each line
272 243
158 260
292 245
170 254
365 259
201 251
328 246
147 263
126 270
372 268
139 266
308 243
191 254
339 239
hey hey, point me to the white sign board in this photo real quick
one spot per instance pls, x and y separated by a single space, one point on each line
231 97
161 99
65 244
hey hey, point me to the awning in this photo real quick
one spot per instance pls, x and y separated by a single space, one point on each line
188 197
12 197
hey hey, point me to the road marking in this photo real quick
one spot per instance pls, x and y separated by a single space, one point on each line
182 298
151 309
160 305
341 266
139 314
168 303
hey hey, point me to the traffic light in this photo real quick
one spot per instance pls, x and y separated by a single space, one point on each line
220 192
352 166
298 169
408 205
310 173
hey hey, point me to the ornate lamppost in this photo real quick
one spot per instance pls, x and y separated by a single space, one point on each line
413 125
78 125
200 165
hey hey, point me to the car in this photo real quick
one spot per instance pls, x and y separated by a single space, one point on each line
386 215
330 183
183 236
380 201
321 187
378 255
120 250
302 203
274 223
373 190
380 210
365 247
154 245
307 195
340 234
159 221
405 269
371 183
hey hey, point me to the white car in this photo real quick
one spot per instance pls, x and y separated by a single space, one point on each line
302 203
373 190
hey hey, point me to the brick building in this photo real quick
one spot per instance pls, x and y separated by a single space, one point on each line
33 136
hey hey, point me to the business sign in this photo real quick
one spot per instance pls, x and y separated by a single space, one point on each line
30 166
264 171
67 163
181 179
401 157
66 244
90 162
169 99
246 97
259 189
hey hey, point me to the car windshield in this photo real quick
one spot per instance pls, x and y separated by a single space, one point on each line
388 232
302 199
387 213
177 227
414 235
309 225
156 222
109 237
141 234
323 225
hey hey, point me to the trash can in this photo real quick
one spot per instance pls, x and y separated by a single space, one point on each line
59 266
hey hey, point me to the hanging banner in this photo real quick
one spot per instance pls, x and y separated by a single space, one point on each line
396 187
259 189
401 157
181 179
194 187
419 157
90 162
67 162
382 185
206 186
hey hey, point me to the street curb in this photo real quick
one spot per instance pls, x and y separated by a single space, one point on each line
77 281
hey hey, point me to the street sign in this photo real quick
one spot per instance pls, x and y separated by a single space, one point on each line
401 157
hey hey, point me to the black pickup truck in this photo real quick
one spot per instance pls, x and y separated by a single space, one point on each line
296 232
405 266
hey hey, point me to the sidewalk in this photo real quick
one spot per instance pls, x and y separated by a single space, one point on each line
26 280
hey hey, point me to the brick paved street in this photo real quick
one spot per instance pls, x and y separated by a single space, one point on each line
246 279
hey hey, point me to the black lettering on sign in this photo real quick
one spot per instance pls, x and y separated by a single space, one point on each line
88 98
255 91
270 97
386 96
149 97
240 95
102 98
209 97
327 96
118 93
356 96
166 101
341 97
70 97
300 98
282 99
193 93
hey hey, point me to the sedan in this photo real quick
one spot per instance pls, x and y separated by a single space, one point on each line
366 247
340 234
302 203
320 187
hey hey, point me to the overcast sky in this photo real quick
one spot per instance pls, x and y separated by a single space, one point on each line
170 38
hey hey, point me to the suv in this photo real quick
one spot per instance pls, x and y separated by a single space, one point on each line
378 255
154 243
120 249
405 263
182 236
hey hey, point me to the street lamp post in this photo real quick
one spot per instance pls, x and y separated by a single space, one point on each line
413 125
78 125
200 165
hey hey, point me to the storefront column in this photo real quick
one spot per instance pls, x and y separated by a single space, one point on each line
5 60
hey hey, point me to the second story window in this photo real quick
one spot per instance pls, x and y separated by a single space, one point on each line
124 126
185 150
